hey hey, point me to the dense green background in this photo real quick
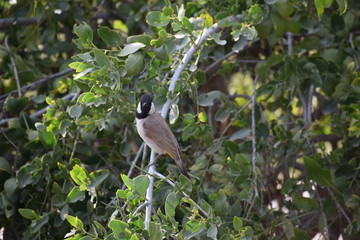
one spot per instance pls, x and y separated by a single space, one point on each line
62 169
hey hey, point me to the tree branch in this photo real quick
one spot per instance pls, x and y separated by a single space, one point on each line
186 59
253 137
35 84
22 21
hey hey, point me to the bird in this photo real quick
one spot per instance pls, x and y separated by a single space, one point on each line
153 129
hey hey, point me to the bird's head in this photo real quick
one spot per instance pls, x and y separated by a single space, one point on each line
145 106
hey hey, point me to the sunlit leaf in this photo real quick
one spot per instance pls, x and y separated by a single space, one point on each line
75 222
131 48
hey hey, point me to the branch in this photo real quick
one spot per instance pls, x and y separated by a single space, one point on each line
309 104
22 21
253 138
186 59
290 43
210 68
338 205
136 159
40 81
16 75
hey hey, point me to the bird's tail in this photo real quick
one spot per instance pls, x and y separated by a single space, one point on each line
179 164
182 168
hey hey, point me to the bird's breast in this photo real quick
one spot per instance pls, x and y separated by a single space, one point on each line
145 136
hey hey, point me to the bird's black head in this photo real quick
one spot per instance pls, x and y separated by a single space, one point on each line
145 106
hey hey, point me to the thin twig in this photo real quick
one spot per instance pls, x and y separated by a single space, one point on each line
218 61
134 162
234 118
341 210
253 138
144 204
16 75
309 103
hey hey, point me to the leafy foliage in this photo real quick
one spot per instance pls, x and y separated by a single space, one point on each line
63 171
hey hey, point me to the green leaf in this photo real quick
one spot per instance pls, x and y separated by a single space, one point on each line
240 134
127 181
162 36
320 175
47 138
155 232
110 37
237 223
28 213
38 223
86 97
84 32
75 195
100 229
202 117
15 105
212 231
75 111
120 25
171 203
75 222
143 38
157 19
221 204
161 53
134 64
343 5
255 14
207 99
131 48
321 5
10 186
79 175
305 204
101 58
300 234
4 165
141 184
216 37
181 12
167 11
97 177
117 226
289 230
83 73
7 205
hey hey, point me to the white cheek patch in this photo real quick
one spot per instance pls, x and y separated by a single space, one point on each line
139 108
152 109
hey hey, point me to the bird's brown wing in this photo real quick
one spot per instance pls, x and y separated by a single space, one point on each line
157 130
